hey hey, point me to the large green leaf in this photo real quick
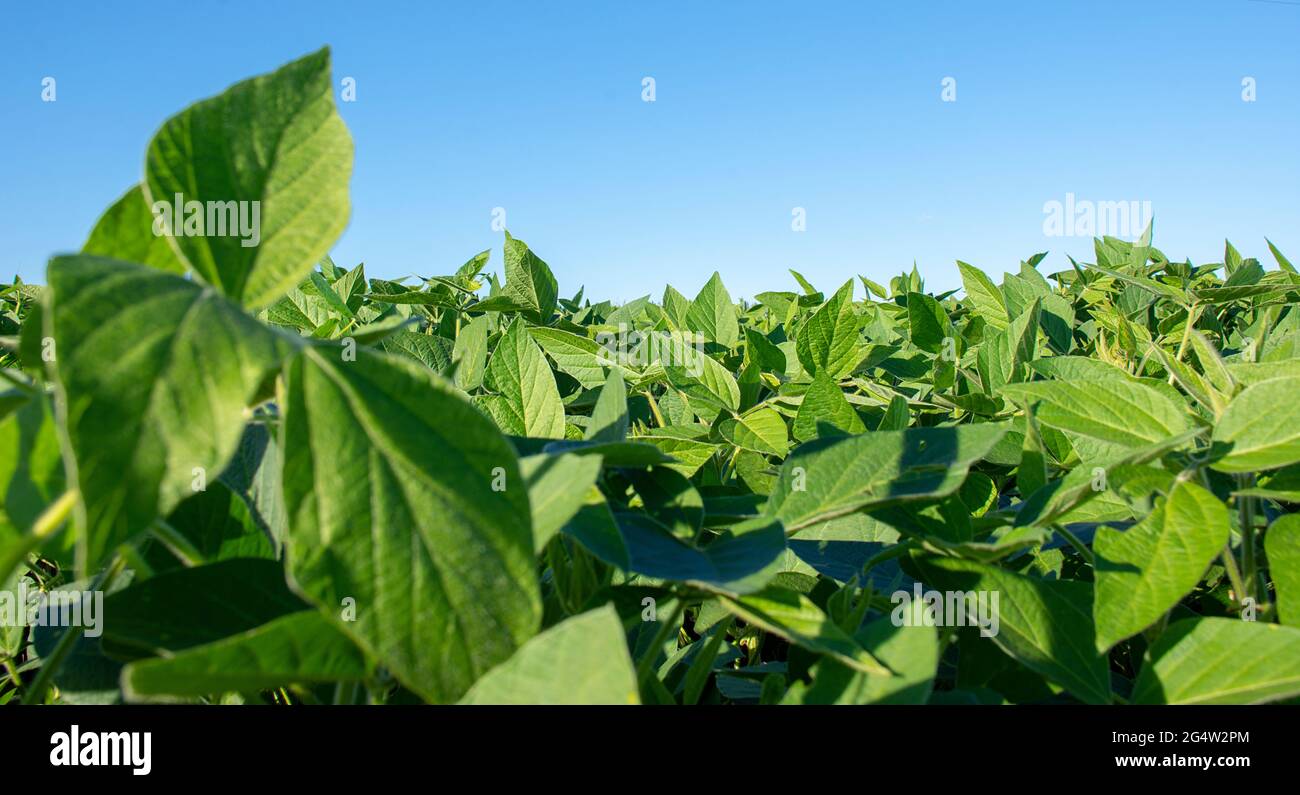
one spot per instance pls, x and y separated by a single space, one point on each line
156 371
1261 427
300 648
125 231
909 648
469 354
928 322
581 357
699 376
985 295
528 402
713 315
276 140
1282 546
1114 411
824 411
609 417
407 501
1005 354
741 562
761 429
557 488
1142 572
1221 661
582 660
1046 625
827 478
183 608
530 286
828 339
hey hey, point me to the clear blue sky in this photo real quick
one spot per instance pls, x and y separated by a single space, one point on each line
760 108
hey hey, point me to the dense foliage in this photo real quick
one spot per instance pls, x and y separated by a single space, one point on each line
299 484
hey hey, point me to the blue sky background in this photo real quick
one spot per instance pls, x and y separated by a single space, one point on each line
760 108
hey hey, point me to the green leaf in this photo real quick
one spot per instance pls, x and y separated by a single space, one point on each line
676 307
218 525
433 352
825 412
794 617
713 314
699 376
1143 572
530 286
1005 354
609 417
276 140
928 322
557 488
764 352
827 478
125 232
582 660
300 648
1046 625
407 501
528 403
469 354
1262 427
909 647
1119 412
761 429
985 295
742 561
1282 546
581 357
670 499
828 340
183 608
1221 661
896 417
186 363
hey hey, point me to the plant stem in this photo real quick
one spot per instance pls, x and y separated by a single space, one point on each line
654 408
177 544
17 382
1246 521
48 523
14 676
346 692
45 526
668 625
1234 574
1192 312
1077 543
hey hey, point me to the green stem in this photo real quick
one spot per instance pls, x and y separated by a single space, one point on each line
52 662
177 544
14 676
49 522
45 526
1077 543
654 408
18 383
1246 520
346 692
668 625
1192 313
1234 574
